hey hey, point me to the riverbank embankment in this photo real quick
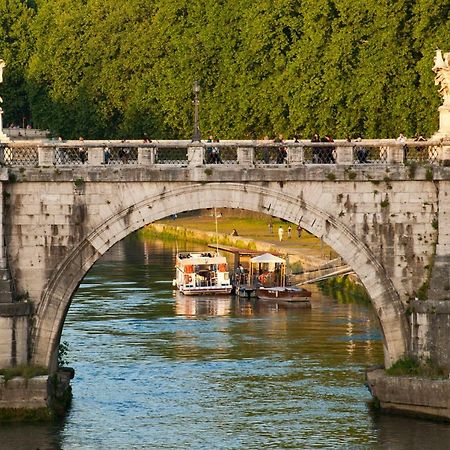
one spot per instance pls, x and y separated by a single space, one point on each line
308 257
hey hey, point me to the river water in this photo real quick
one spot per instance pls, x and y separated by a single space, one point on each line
158 370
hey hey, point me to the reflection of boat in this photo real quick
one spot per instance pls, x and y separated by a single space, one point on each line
267 280
202 273
202 305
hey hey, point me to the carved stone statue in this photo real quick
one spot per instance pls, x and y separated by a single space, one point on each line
442 70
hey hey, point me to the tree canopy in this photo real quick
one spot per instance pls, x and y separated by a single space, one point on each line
108 69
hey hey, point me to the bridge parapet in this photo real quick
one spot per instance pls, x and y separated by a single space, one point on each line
244 153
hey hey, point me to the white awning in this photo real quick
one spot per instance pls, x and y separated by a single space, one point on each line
267 258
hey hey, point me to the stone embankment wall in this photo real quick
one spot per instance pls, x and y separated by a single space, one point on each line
46 395
410 395
26 393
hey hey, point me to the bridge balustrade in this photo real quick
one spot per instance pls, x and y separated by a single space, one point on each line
171 155
244 153
68 156
120 155
19 155
363 154
421 153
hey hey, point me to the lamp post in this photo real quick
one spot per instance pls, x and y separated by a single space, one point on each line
196 137
2 135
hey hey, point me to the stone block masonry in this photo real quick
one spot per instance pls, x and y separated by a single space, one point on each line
389 226
410 395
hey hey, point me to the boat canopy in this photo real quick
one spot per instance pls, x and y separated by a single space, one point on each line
267 258
187 259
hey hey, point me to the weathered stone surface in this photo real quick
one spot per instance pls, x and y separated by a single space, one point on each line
381 222
24 393
45 392
411 395
430 327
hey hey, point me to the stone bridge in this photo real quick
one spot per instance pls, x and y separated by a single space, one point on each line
383 206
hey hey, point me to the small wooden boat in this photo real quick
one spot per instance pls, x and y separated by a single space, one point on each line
286 295
268 273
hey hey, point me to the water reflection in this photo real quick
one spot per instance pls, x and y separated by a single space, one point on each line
202 305
159 370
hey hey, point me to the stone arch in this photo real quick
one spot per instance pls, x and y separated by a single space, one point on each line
56 298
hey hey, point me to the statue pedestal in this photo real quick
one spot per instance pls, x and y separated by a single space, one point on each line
444 122
3 137
443 134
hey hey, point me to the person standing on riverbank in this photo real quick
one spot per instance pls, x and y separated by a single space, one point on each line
289 232
280 233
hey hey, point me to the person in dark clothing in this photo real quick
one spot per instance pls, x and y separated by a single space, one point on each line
281 151
328 152
215 154
208 155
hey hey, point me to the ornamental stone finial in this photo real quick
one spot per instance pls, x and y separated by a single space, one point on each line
442 70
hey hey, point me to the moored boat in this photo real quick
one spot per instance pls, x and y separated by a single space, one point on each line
268 273
288 295
202 273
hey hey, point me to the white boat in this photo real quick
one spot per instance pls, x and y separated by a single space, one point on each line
202 273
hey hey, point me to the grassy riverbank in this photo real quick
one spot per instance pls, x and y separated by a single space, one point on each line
249 228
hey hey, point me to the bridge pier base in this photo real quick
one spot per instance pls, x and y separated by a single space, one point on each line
430 328
410 396
37 398
14 334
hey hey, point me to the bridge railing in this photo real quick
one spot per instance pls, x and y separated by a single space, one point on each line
245 153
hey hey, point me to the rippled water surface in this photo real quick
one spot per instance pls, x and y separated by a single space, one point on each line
158 370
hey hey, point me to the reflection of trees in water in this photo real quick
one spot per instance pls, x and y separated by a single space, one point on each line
345 290
227 327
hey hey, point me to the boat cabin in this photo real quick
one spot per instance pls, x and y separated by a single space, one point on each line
268 270
202 273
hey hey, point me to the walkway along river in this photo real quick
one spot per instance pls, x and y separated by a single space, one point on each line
157 370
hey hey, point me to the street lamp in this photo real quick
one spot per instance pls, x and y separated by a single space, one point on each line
196 137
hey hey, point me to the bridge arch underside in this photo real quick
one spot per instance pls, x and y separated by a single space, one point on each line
55 301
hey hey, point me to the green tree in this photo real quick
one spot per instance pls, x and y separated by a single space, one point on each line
16 47
100 68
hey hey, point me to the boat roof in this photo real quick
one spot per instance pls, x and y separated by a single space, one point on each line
235 250
267 258
188 258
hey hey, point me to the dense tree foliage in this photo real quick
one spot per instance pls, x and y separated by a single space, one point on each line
102 68
16 46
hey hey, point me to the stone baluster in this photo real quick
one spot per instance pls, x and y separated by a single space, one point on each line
96 156
443 154
296 155
3 152
147 156
195 154
245 156
46 156
395 155
344 155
